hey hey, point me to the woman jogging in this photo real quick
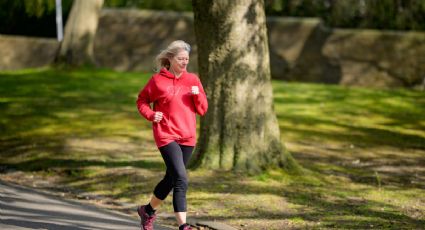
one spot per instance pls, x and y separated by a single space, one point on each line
176 96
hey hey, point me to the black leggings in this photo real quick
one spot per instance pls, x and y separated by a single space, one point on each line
176 158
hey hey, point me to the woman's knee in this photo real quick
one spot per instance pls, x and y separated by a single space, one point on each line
181 182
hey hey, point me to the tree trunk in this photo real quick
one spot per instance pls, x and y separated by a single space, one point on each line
240 130
77 45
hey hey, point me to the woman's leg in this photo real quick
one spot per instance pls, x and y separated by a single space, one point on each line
173 158
187 153
164 187
176 157
155 202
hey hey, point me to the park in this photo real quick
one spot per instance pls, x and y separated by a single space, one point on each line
311 123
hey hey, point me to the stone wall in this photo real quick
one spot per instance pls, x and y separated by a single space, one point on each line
25 52
370 57
305 50
129 40
300 49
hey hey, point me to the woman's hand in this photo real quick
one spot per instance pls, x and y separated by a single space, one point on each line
195 90
157 117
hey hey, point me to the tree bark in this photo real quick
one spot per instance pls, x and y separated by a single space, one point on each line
240 130
77 46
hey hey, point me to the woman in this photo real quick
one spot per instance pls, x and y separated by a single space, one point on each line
176 96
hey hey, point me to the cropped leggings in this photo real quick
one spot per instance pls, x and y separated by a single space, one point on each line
176 158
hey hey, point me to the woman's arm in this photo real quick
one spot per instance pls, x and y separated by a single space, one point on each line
144 99
200 100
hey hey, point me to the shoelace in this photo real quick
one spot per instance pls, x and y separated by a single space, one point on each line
148 219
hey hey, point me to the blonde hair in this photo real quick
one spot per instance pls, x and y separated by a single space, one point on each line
163 58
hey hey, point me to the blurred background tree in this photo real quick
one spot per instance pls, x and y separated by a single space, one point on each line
78 42
37 17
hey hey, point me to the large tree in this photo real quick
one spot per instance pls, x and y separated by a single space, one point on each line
240 130
78 42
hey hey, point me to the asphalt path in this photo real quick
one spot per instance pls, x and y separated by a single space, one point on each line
25 208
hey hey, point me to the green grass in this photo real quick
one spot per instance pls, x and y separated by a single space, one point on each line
363 151
360 116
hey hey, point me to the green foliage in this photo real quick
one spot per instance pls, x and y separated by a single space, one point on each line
31 17
377 14
38 8
176 5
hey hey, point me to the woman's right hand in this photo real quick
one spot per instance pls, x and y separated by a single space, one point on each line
157 117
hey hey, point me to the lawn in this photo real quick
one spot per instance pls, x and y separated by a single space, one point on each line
78 133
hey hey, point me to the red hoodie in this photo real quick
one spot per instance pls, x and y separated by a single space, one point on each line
172 96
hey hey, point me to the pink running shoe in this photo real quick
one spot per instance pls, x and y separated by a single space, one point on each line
145 220
187 227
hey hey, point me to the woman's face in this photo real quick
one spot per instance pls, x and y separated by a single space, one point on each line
179 62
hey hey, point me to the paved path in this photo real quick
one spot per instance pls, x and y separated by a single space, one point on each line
23 208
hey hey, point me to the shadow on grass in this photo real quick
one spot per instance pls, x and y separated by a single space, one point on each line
332 212
49 163
362 112
360 121
42 109
117 184
74 102
332 206
114 176
396 170
45 152
355 133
